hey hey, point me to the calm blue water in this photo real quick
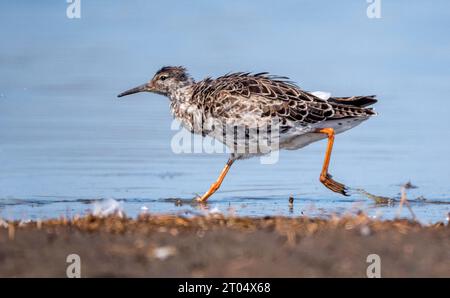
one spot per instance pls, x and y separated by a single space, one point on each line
66 140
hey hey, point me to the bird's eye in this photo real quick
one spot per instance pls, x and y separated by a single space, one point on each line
163 77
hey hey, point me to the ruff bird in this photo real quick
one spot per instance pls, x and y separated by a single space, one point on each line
248 102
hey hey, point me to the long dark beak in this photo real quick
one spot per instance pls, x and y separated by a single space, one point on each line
141 88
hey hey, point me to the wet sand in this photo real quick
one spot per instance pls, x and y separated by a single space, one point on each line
218 246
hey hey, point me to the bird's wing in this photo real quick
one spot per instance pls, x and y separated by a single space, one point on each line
240 95
357 101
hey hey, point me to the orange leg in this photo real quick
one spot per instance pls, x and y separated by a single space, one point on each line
325 178
215 186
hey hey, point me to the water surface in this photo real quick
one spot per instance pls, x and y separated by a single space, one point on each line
66 140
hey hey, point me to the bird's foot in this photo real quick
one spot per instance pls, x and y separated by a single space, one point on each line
334 185
202 199
199 199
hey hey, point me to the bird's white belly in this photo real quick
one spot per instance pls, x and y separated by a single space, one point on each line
295 141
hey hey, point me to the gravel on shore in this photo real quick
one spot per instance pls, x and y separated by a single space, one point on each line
219 246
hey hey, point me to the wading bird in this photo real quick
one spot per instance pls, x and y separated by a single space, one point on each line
249 101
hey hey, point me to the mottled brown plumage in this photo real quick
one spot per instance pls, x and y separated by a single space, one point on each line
230 95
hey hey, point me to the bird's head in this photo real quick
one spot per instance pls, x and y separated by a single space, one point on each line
166 81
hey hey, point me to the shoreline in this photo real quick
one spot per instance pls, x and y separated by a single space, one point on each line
220 246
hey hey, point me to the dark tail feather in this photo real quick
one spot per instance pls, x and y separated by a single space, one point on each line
356 101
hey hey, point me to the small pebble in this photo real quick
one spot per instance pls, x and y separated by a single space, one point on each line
164 252
365 231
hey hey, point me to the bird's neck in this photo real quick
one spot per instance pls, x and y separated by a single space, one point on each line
184 108
181 94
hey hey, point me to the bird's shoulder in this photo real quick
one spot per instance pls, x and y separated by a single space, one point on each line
270 96
246 85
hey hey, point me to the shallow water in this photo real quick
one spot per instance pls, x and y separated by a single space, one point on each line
66 140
